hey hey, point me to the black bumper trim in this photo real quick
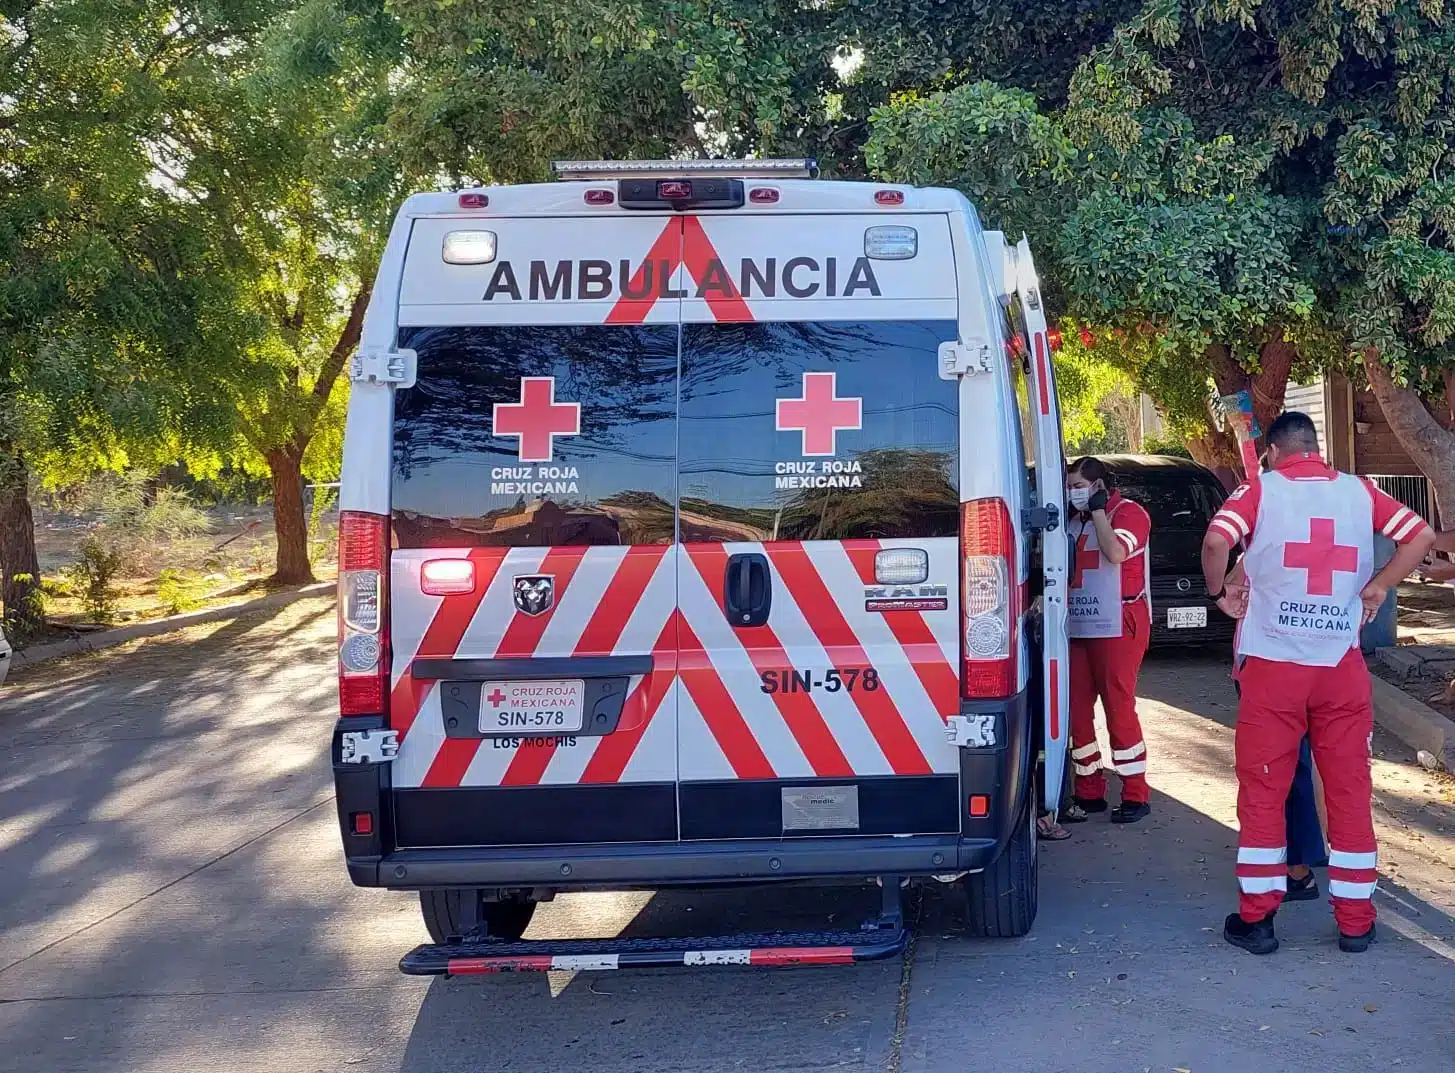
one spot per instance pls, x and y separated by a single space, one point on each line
668 864
530 670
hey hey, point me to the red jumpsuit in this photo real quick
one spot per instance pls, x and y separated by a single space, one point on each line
1309 531
1107 666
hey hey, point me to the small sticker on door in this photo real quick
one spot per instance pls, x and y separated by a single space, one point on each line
820 808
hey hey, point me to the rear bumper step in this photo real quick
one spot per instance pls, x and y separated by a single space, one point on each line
884 937
471 957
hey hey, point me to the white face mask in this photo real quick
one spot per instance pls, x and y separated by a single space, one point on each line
1078 497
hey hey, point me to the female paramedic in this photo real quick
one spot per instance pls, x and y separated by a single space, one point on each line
1110 623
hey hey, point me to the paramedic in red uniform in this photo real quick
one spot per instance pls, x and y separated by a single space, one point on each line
1310 532
1110 623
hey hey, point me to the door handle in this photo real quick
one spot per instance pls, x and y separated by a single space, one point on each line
747 594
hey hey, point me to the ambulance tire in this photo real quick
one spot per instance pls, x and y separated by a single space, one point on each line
502 920
1003 899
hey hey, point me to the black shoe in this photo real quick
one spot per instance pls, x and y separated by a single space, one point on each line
1255 938
1302 890
1130 812
1082 808
1356 944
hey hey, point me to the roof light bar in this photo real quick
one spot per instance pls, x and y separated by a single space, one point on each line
798 168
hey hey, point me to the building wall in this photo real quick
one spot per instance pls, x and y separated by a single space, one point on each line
1309 399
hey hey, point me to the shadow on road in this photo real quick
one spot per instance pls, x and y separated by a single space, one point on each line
172 897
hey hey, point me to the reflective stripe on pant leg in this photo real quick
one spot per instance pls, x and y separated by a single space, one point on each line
1270 727
1119 697
1262 869
1341 719
1090 784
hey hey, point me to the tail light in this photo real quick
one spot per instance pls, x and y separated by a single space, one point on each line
989 600
363 613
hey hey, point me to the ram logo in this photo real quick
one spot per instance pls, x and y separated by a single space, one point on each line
535 594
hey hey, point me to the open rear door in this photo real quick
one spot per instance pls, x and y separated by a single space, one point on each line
1050 499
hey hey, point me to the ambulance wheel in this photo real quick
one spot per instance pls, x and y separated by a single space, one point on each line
1002 900
502 920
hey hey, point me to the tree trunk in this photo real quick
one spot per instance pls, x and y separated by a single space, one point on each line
290 522
1430 446
1269 386
19 564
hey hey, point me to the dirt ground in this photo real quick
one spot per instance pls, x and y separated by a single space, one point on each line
1427 617
233 558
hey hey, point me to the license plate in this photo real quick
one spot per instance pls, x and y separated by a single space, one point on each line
544 707
1181 618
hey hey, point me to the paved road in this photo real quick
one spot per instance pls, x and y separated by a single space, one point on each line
172 900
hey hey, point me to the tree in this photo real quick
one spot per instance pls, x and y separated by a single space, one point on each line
300 178
99 295
498 90
199 300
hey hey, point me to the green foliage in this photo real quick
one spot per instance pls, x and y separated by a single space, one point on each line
324 501
177 592
22 623
132 507
1165 445
93 578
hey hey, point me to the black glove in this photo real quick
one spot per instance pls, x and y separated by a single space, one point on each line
1098 500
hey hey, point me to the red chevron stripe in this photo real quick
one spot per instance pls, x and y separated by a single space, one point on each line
607 621
725 722
520 640
805 722
844 649
940 680
442 638
615 751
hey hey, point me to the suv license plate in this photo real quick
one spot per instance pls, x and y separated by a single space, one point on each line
555 706
1180 618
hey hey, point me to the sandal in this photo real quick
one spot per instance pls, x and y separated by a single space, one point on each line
1049 830
1079 811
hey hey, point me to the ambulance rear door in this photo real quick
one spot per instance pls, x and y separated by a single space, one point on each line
1049 510
533 579
818 507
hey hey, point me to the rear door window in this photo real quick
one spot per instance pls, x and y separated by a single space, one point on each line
817 431
537 436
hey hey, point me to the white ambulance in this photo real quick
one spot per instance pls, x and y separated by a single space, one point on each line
690 536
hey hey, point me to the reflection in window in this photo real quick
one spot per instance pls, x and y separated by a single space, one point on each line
893 472
457 484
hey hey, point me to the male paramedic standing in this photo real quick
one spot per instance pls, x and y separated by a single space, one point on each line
1310 536
1110 623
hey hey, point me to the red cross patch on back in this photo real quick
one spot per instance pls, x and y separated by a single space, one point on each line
1321 557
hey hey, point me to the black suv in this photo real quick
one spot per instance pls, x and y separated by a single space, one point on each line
1181 497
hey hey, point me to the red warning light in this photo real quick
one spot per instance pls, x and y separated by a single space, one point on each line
473 200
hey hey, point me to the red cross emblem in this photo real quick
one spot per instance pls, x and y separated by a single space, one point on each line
496 697
1086 559
1321 557
820 414
537 419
